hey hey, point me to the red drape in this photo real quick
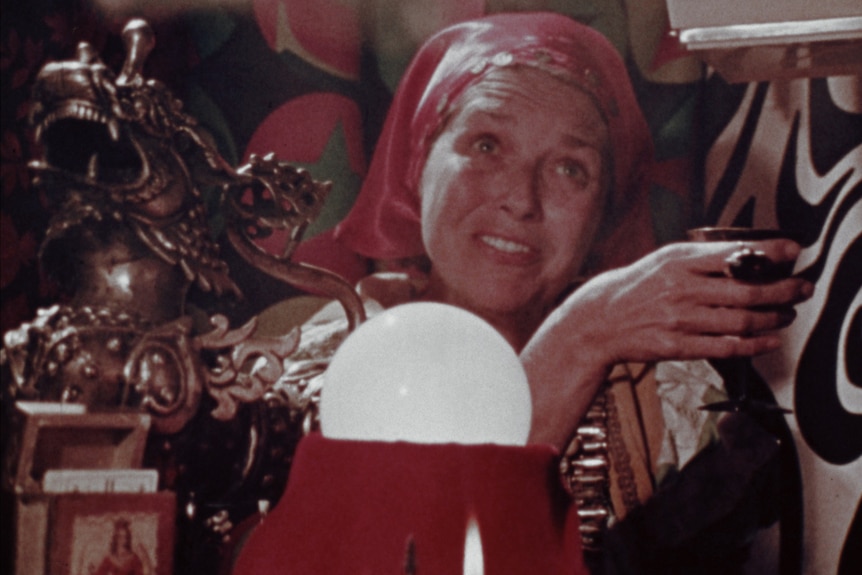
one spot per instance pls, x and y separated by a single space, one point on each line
352 506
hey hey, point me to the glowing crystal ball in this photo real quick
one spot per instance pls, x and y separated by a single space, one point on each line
426 373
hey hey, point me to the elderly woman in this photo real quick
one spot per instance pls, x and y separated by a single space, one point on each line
513 164
514 158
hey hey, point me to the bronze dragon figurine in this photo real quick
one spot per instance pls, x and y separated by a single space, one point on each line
127 173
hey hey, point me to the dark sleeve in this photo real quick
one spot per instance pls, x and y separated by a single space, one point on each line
704 518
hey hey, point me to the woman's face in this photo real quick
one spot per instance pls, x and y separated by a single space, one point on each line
124 538
513 191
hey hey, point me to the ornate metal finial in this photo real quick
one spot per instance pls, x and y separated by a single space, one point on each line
139 40
85 53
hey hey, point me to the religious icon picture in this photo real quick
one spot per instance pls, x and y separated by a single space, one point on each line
112 534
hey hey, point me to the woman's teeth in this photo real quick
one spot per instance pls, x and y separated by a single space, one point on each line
505 245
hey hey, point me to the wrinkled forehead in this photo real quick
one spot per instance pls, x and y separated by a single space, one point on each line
533 88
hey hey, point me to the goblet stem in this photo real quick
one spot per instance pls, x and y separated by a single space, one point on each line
746 265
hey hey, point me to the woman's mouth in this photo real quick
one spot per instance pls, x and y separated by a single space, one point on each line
505 246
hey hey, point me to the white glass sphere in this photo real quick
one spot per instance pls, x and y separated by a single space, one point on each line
426 373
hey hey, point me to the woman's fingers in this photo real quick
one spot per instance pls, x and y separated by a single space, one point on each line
736 321
723 346
670 345
728 292
697 273
678 303
711 258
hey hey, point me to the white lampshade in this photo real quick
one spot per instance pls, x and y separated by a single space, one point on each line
426 373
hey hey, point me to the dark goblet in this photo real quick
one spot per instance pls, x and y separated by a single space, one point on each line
752 266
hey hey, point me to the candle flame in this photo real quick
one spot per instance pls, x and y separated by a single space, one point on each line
474 562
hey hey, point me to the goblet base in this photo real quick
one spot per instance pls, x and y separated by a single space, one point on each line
744 406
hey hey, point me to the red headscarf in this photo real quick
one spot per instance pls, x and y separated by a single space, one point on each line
385 222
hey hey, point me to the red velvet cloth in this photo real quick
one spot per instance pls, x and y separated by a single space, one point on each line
350 507
384 222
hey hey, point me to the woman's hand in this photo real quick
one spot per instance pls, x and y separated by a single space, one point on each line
676 303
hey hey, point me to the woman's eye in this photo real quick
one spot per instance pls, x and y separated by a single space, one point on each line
572 170
486 145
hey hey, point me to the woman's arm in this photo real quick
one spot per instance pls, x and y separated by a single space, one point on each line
672 304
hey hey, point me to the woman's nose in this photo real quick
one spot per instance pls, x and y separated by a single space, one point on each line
521 193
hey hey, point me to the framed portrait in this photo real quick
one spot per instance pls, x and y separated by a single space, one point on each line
112 534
